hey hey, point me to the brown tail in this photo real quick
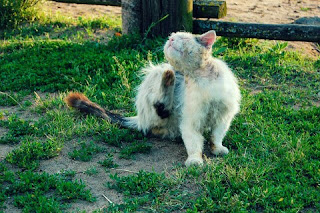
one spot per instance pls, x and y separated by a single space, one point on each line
80 102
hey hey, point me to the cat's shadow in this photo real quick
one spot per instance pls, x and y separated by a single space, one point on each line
165 154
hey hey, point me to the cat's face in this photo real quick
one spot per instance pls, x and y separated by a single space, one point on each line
187 51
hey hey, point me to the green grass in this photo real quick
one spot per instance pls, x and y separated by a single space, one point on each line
17 128
86 151
274 143
12 99
91 171
28 155
33 192
136 147
305 9
108 162
152 192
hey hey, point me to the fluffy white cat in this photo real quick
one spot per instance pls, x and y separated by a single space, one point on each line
191 94
211 95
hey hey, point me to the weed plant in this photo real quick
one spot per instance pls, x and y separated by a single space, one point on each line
14 12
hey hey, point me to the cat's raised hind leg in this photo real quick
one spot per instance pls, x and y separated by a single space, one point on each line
164 104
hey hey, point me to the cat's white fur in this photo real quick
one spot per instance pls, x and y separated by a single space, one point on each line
151 91
206 98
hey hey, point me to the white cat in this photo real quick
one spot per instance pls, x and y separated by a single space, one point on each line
211 96
200 95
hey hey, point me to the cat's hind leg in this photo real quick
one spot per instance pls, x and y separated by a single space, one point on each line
164 103
160 132
168 78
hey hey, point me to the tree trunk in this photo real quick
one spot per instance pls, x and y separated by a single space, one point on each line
161 17
131 16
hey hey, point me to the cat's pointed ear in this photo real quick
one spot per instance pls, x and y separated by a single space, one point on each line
207 39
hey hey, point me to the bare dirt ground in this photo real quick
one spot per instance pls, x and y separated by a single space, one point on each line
76 10
164 154
276 12
270 11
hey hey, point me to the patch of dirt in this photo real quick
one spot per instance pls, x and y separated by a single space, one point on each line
270 11
77 10
255 91
276 12
5 149
21 113
316 103
162 157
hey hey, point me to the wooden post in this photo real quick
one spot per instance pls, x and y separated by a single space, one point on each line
157 17
209 9
287 32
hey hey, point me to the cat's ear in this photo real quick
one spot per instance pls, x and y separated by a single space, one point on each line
207 39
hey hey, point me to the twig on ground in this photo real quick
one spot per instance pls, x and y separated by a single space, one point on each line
11 98
107 198
124 170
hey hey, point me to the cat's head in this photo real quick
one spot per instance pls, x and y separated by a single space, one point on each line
186 51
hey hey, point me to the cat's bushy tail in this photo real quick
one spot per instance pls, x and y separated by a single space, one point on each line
80 102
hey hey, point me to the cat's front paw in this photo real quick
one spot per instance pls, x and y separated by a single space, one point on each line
220 150
194 160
